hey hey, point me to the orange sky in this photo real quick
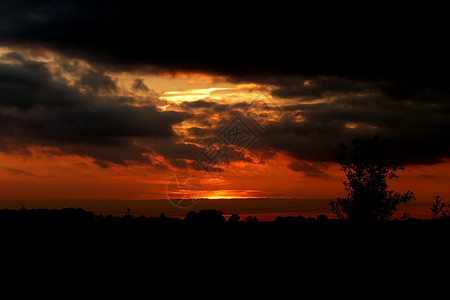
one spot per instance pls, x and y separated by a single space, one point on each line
49 173
38 177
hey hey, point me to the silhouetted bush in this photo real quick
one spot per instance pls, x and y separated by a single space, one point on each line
251 219
367 166
127 214
440 209
205 216
287 220
322 218
191 217
234 218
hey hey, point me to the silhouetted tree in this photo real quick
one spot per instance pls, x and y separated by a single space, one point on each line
251 219
211 216
205 216
191 217
234 218
301 218
405 216
439 209
321 218
367 166
127 214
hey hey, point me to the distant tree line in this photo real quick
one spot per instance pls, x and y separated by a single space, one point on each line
439 213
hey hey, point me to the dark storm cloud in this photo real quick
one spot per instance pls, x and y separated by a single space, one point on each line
386 72
246 42
36 109
26 86
317 87
97 82
418 130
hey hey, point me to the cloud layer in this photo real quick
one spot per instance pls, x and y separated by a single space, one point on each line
38 110
243 43
331 81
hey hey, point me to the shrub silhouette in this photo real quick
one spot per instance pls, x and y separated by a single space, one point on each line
234 218
440 209
205 216
251 219
405 216
127 214
321 218
367 166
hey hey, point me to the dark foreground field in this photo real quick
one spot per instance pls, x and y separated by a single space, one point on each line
210 227
78 250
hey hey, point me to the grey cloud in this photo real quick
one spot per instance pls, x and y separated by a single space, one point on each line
418 130
317 87
97 82
29 85
37 110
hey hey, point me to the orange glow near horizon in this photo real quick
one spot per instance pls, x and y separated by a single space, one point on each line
49 177
229 194
45 176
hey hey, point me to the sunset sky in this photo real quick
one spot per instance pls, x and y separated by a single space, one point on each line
111 101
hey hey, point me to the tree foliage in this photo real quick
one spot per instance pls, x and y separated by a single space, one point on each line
440 209
368 166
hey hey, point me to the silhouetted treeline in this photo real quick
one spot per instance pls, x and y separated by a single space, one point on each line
206 217
208 234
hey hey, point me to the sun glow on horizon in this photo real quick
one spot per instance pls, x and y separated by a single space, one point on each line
229 194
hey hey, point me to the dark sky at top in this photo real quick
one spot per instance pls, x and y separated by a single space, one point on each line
230 38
